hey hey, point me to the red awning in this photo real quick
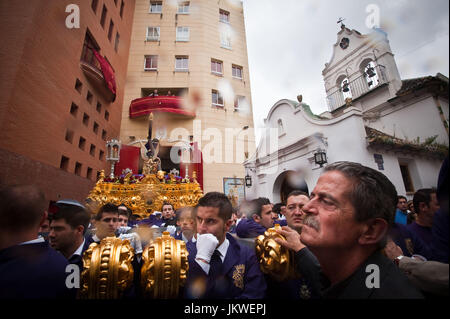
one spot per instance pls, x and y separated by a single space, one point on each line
149 104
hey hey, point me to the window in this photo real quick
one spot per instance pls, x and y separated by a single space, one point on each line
106 115
181 63
85 119
182 33
95 128
217 99
151 62
89 96
110 31
225 40
104 135
183 7
224 16
89 173
406 176
69 136
87 55
152 34
82 143
101 155
78 168
99 107
121 8
103 18
78 86
64 163
116 42
236 71
216 67
94 4
155 7
74 109
92 150
239 103
115 2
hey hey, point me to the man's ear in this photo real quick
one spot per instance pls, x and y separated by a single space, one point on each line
422 206
228 224
79 229
373 231
256 218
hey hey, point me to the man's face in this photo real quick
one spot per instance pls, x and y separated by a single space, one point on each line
266 218
209 222
432 206
167 211
402 204
45 227
62 235
294 211
123 220
107 225
329 215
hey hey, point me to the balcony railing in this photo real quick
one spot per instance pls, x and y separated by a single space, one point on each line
357 88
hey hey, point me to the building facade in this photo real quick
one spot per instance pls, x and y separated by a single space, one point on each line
62 91
399 127
193 55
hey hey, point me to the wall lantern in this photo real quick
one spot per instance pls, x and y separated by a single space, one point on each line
248 180
320 157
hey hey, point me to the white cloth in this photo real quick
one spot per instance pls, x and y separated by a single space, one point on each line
135 241
222 249
34 241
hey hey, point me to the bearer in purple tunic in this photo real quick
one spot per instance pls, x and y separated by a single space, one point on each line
219 267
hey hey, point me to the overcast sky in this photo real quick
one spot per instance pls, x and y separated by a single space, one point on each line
289 42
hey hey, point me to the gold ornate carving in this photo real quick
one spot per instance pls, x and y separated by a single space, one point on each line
107 269
165 266
144 196
275 260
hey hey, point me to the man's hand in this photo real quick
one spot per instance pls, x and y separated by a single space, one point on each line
292 241
206 244
392 250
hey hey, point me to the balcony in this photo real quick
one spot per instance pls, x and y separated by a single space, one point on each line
357 88
94 73
166 104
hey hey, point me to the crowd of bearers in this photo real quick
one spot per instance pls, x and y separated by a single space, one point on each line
339 231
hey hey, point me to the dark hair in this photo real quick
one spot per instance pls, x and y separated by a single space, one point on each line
401 197
277 208
422 196
22 207
166 203
373 195
127 213
107 208
296 192
264 200
73 215
218 200
256 206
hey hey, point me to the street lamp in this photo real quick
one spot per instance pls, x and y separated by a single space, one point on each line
320 157
113 153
